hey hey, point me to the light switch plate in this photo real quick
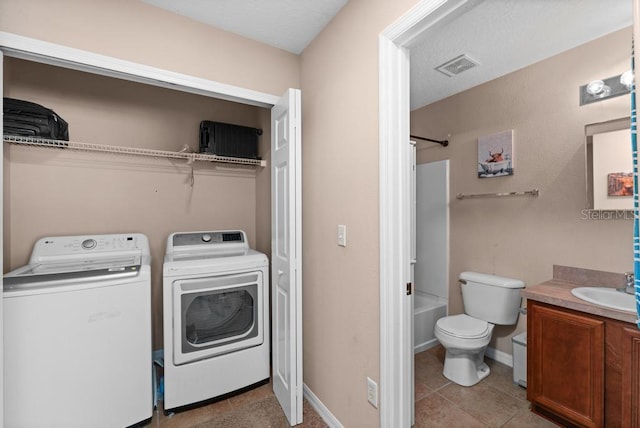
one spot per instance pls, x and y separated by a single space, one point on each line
372 392
342 235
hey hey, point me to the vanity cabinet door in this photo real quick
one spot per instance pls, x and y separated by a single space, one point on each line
617 410
565 358
631 377
622 375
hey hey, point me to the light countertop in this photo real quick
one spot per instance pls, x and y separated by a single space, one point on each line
558 292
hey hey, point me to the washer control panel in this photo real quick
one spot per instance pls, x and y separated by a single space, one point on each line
69 245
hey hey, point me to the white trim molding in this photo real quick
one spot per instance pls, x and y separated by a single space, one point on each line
1 254
17 46
394 388
396 344
320 408
499 356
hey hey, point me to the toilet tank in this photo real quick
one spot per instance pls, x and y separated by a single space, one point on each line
491 298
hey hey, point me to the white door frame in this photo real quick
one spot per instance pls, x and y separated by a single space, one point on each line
1 255
396 353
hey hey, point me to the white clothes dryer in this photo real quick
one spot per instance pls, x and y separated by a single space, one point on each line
77 334
216 316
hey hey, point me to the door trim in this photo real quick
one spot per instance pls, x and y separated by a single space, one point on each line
2 254
396 401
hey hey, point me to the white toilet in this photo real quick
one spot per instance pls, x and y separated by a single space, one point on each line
487 300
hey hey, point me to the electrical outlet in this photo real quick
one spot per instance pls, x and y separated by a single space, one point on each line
372 392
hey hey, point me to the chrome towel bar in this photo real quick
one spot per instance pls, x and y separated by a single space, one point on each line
534 192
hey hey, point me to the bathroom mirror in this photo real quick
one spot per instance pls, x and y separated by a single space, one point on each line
609 165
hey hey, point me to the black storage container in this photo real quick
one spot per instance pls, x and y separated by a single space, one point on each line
27 119
225 139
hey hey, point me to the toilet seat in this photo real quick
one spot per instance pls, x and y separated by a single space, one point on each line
463 326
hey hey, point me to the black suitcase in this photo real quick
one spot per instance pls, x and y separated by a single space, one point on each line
224 139
27 119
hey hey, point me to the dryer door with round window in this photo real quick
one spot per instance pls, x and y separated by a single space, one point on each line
217 315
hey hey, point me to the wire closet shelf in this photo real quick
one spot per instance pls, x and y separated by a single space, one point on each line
102 148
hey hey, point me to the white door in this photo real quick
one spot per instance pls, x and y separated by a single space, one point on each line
286 261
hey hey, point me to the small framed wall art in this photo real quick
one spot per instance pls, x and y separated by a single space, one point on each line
620 184
495 154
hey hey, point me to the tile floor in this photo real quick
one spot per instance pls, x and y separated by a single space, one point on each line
494 402
256 408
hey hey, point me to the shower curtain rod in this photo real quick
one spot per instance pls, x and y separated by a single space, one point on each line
444 143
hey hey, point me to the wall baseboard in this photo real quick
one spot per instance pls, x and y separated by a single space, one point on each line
427 345
320 408
499 356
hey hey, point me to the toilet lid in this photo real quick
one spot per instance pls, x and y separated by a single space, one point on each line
463 326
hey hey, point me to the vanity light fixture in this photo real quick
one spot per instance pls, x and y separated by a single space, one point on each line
598 90
626 79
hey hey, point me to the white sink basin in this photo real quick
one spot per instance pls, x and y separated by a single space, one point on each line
606 296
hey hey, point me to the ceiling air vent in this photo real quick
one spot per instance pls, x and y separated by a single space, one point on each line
457 65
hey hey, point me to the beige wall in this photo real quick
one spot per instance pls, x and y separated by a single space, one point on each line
341 308
59 192
522 237
135 31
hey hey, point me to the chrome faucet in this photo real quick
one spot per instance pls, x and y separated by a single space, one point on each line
629 286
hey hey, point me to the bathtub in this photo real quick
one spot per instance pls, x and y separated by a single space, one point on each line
427 309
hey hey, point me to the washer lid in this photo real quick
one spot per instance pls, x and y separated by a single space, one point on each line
463 326
66 272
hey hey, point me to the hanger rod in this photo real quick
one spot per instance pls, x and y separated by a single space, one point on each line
443 143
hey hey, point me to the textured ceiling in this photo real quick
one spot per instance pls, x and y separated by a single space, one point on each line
504 36
286 24
501 35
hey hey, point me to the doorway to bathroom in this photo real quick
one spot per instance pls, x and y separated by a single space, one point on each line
431 232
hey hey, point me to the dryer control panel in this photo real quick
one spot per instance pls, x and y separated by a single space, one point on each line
223 237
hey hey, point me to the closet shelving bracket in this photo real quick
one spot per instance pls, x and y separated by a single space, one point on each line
88 147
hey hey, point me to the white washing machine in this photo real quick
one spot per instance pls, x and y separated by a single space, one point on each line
216 316
77 334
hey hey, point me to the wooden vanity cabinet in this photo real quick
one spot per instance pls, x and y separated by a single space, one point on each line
622 374
565 364
582 370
